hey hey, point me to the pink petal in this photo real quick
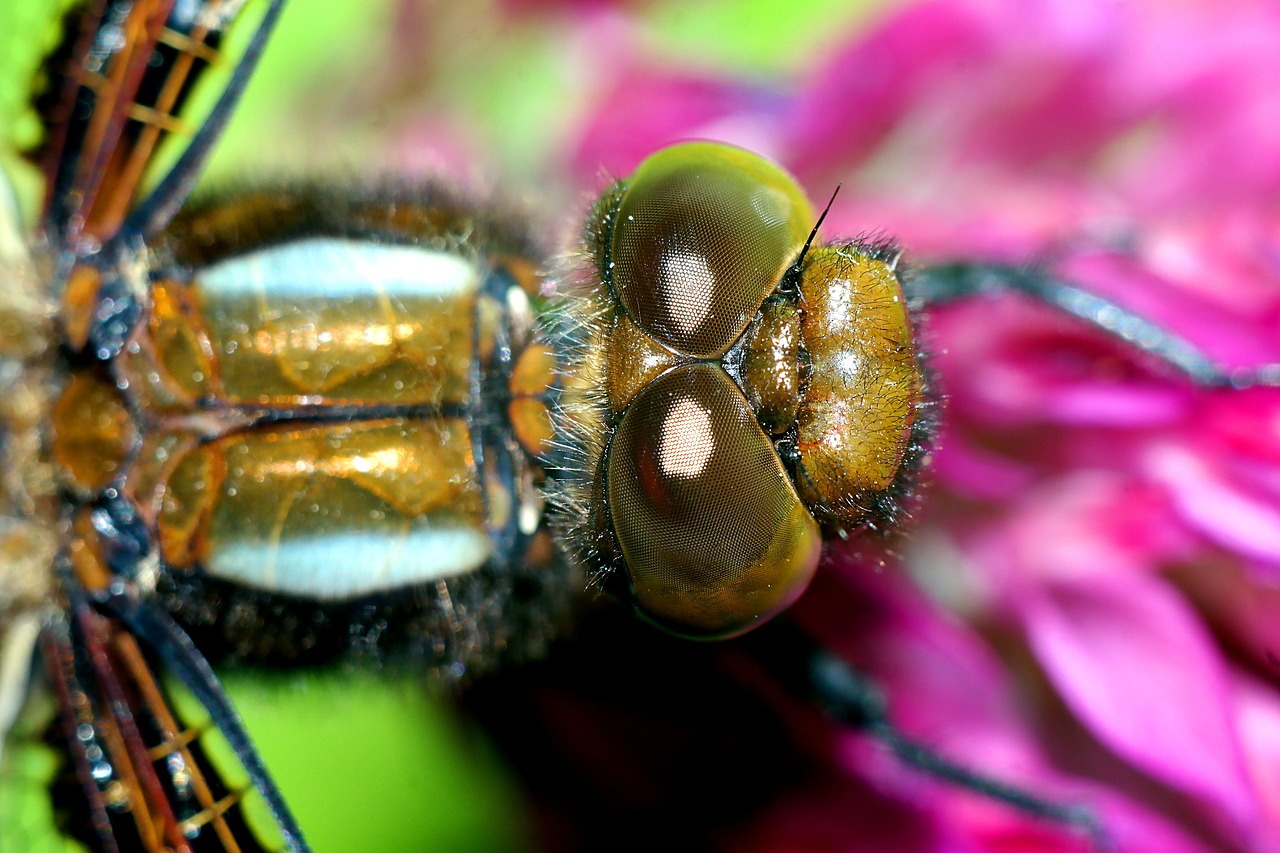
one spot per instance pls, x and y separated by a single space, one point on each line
1133 829
943 682
856 99
1043 367
1246 427
1258 710
1218 112
1241 604
647 108
1088 524
1231 257
1216 506
1137 668
976 472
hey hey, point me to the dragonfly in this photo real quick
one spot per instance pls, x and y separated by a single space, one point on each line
300 423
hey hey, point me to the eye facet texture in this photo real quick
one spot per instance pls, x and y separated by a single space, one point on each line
714 536
701 237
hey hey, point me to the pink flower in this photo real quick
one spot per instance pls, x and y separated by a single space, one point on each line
1101 549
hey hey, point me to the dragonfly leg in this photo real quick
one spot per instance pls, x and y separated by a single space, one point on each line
808 670
853 699
938 285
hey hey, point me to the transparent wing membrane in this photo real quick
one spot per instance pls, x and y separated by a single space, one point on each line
147 781
138 92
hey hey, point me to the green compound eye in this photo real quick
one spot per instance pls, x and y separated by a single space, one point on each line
702 235
716 539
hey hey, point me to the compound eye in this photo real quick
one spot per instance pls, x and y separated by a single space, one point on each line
713 534
702 235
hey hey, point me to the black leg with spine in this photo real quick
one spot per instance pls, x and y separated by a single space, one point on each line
938 285
810 672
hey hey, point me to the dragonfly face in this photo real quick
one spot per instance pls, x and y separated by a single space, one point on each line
297 424
754 388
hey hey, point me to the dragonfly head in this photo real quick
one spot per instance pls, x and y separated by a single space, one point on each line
760 390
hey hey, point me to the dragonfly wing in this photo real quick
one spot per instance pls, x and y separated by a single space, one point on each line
151 777
138 92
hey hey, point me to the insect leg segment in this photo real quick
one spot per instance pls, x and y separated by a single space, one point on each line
811 671
88 757
939 285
